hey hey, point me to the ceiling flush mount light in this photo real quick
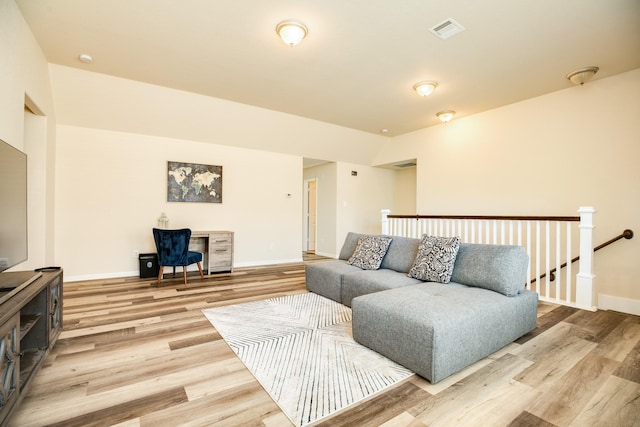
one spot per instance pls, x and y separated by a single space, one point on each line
291 32
583 75
425 88
446 116
87 59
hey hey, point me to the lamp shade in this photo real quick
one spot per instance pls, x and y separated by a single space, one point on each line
425 88
291 32
446 116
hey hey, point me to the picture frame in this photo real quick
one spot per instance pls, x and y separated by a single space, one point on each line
194 182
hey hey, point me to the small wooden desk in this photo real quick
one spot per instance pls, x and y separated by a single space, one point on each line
217 248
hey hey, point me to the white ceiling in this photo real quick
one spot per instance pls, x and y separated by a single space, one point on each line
357 66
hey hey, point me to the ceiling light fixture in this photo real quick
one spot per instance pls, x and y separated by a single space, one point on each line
583 75
291 32
446 116
425 88
87 59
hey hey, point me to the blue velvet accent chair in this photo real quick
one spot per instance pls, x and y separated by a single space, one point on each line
173 250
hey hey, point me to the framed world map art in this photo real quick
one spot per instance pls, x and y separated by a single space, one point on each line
193 182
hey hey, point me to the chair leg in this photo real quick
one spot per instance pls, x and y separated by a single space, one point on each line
200 268
160 274
184 273
174 271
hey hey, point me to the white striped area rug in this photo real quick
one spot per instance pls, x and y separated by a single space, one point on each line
301 350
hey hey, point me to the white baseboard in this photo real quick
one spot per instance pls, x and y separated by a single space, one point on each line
101 276
270 262
327 255
623 305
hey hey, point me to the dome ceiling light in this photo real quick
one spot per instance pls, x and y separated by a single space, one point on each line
87 59
425 88
583 75
291 32
446 116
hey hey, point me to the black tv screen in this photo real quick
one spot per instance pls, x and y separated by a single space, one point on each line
13 206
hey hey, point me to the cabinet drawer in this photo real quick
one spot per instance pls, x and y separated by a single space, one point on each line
219 252
220 239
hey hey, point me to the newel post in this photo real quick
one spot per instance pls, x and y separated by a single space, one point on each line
585 279
384 221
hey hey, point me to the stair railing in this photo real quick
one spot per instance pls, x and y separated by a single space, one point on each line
549 241
626 234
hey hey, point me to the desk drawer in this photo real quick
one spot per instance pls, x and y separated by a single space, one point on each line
220 239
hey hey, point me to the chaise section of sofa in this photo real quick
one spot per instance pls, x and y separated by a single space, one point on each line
438 329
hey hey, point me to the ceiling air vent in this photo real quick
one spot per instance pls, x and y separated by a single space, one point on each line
447 28
405 165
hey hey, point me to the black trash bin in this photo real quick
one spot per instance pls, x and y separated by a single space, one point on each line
148 265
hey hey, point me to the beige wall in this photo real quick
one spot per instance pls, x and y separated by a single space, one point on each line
111 189
544 156
24 79
361 198
93 100
405 191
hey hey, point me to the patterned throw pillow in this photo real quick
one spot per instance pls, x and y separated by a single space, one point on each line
435 259
369 252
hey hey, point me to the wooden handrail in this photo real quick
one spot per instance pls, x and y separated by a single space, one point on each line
626 234
490 217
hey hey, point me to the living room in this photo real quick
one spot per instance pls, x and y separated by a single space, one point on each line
98 148
547 155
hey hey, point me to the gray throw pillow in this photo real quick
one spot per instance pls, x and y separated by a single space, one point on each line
369 252
435 259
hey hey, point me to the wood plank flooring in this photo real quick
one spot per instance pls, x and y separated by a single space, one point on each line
133 354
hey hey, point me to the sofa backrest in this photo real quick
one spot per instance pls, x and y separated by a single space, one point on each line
500 268
400 255
349 245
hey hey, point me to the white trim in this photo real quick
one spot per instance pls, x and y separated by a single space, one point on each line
102 276
271 262
326 255
136 273
623 305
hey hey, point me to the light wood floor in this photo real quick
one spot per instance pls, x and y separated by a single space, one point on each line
133 354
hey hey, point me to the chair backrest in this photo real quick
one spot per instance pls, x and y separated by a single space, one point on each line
172 246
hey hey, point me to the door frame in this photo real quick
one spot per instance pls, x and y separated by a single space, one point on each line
306 215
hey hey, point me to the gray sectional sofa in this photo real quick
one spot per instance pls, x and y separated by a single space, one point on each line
434 329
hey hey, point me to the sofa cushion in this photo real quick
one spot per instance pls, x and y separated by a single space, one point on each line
500 268
369 252
401 254
325 277
435 259
349 245
365 282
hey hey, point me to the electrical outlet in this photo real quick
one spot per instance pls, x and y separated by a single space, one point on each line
4 262
136 253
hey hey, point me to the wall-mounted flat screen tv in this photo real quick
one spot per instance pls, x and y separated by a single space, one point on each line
13 206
